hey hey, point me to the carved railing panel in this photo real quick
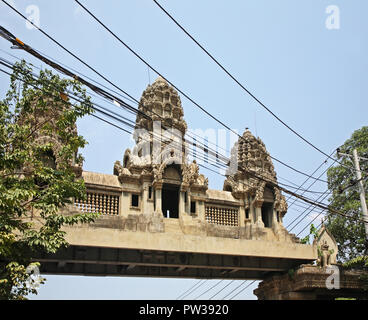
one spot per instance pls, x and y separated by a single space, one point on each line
222 215
106 204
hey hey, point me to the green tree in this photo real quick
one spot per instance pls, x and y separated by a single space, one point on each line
349 233
37 176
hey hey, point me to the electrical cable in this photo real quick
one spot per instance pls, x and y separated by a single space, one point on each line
282 188
215 285
239 83
235 295
221 289
182 298
178 298
203 293
178 89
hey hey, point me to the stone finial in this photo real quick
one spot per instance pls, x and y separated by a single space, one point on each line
160 79
161 102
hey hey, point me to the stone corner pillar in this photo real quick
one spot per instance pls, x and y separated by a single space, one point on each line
258 209
157 187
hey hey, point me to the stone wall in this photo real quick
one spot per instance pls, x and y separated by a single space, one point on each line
310 282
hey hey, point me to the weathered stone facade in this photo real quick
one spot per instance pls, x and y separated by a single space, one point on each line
156 182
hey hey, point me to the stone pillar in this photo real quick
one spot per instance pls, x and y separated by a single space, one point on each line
158 192
275 224
201 210
188 202
242 214
259 221
181 202
144 198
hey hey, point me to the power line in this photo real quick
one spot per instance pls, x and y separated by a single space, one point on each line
215 285
309 185
295 200
19 43
125 105
64 48
10 37
219 281
184 293
221 289
173 85
182 298
240 84
283 189
6 34
9 65
228 294
235 295
16 41
310 210
239 292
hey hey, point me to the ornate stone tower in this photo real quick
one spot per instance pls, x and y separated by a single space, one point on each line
156 189
49 113
157 168
161 103
264 204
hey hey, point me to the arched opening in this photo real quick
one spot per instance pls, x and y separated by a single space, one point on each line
170 200
228 188
170 191
267 207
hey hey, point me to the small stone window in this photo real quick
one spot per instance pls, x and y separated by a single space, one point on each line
135 200
150 192
192 207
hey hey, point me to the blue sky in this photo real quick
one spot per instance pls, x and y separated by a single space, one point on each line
313 78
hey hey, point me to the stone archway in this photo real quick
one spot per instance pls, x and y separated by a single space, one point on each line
267 207
171 191
170 200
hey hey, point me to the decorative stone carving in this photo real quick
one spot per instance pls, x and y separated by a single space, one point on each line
202 181
325 255
120 170
280 202
249 154
326 247
161 102
190 173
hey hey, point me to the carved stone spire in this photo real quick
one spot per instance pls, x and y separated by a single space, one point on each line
250 154
162 103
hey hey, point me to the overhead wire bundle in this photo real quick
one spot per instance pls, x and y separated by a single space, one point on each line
217 160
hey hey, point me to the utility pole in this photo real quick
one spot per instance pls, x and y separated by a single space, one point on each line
361 189
361 193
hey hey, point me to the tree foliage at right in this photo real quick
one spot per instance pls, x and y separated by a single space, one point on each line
348 232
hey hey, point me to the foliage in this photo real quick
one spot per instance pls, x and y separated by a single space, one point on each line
31 189
349 233
358 262
291 273
312 232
